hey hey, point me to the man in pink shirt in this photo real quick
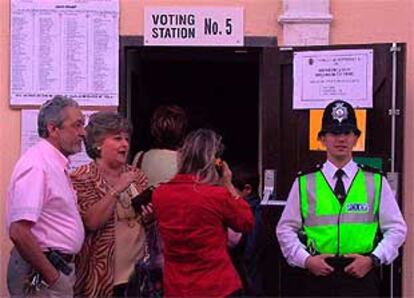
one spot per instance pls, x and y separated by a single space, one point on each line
42 216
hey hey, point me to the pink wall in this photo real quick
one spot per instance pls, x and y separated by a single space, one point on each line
355 21
260 15
371 21
9 135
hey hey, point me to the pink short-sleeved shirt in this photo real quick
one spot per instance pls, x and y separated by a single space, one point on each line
40 191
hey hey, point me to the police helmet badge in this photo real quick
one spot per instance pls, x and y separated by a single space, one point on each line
339 112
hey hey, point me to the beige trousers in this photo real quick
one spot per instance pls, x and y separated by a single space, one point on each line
18 273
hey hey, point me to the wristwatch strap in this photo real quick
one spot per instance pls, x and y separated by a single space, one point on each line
375 260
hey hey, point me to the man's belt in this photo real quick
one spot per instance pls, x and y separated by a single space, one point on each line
59 262
70 258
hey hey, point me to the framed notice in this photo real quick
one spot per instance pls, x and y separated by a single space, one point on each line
193 26
64 47
320 77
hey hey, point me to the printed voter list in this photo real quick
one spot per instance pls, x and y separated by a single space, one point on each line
64 47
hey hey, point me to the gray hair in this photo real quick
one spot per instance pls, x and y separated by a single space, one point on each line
99 126
198 153
52 111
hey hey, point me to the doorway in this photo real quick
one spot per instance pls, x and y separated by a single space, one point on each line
218 87
234 91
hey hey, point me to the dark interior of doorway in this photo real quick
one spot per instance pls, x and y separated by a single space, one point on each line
218 87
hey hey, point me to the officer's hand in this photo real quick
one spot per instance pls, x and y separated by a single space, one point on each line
318 266
360 266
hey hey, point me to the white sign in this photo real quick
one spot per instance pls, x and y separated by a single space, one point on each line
269 183
65 47
30 136
320 77
193 26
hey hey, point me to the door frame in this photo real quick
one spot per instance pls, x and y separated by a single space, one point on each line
268 92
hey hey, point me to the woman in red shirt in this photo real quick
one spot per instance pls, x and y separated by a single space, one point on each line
194 210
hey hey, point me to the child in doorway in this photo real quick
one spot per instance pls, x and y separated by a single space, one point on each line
244 249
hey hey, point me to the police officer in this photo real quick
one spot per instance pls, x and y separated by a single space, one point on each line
341 208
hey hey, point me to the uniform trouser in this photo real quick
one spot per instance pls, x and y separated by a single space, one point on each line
18 273
342 284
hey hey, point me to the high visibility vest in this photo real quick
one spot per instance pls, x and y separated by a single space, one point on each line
340 229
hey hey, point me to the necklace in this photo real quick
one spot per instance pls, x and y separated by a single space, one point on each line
124 211
125 200
123 207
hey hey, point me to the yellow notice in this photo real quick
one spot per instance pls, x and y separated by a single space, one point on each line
315 127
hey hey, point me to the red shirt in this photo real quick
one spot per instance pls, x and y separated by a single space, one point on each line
193 220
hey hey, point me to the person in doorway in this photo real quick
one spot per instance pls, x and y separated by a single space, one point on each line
115 231
335 214
194 210
168 128
42 216
245 249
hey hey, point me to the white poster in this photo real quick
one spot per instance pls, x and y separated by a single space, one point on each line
320 77
30 136
193 26
64 47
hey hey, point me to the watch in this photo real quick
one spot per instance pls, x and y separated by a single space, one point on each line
375 260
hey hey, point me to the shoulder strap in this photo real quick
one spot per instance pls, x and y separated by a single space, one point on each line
139 160
311 170
371 169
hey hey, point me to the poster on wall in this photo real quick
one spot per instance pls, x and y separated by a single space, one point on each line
193 26
65 47
320 77
29 137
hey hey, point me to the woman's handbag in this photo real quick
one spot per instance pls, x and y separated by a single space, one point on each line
142 199
146 281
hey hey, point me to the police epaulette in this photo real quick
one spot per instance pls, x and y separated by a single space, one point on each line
313 169
371 169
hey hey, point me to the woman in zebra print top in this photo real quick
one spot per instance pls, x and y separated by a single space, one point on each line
114 231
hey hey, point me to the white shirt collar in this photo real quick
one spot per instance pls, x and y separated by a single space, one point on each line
350 169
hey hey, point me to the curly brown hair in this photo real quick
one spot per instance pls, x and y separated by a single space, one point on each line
100 125
168 126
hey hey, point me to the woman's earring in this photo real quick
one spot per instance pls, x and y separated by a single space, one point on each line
98 148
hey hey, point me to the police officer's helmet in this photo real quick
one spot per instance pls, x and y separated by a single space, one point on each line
338 118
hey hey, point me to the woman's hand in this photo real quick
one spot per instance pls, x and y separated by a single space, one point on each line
141 181
226 179
147 213
125 180
227 174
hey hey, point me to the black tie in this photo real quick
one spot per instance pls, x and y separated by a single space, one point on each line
339 186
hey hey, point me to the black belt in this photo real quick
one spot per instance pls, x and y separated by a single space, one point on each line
70 258
339 262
